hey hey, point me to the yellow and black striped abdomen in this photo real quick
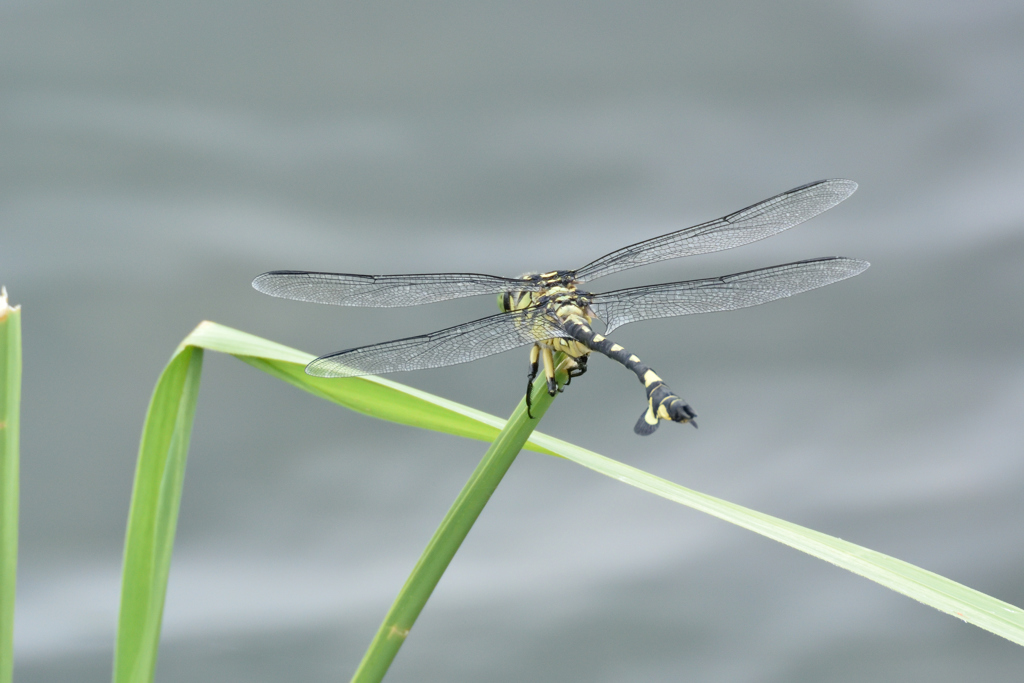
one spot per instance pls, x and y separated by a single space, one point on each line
662 402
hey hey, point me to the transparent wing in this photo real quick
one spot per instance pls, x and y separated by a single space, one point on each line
724 293
459 344
382 291
756 222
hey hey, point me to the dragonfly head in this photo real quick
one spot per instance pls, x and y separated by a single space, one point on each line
515 301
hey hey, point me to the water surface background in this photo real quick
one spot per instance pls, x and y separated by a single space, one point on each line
154 158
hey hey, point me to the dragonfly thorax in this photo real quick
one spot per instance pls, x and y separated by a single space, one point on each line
567 304
550 284
564 302
558 299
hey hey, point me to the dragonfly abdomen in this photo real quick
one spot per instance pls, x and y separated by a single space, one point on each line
662 402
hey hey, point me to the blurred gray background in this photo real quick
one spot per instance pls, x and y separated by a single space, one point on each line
154 158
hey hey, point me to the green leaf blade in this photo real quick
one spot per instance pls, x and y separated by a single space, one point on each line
448 537
984 611
373 396
989 613
10 434
153 516
159 478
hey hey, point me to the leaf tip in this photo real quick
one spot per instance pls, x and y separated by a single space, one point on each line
6 307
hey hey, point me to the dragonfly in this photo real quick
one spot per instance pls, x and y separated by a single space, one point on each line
554 313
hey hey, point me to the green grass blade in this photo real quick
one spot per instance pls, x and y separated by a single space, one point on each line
448 538
1001 618
10 420
159 475
165 442
374 396
153 518
931 589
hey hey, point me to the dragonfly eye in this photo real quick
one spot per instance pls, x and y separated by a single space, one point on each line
514 301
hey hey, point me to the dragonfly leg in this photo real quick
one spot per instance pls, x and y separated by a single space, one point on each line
549 370
567 366
662 402
574 367
532 374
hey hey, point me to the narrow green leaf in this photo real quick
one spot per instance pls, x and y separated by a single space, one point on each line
449 537
161 468
931 589
10 420
373 396
945 595
153 517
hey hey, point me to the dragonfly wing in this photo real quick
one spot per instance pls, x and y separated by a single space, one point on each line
753 223
724 293
459 344
383 291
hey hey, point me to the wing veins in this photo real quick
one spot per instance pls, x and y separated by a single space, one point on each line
458 344
382 291
756 222
725 293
